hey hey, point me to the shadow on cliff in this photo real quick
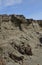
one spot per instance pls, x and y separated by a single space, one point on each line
16 21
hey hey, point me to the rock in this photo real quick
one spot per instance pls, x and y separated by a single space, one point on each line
16 58
25 50
28 50
16 21
22 49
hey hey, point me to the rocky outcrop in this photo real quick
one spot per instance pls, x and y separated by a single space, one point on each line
16 58
19 18
25 50
20 40
22 48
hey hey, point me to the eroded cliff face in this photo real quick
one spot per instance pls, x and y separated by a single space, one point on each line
20 40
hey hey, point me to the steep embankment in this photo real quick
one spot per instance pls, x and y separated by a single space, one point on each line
20 40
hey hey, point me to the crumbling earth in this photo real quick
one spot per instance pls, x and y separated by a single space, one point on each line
20 40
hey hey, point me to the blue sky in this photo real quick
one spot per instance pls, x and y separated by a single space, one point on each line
28 8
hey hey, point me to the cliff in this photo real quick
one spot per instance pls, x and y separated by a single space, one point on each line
20 40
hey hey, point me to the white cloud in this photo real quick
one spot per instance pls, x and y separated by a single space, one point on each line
4 3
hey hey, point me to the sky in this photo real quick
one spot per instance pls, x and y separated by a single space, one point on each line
28 8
